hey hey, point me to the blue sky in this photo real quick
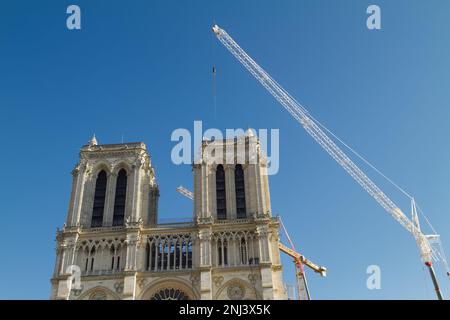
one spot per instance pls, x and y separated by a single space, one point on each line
142 69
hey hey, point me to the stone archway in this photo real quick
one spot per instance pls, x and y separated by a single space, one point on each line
99 293
169 289
170 294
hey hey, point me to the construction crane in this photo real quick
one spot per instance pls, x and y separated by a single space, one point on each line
185 192
319 269
314 129
299 261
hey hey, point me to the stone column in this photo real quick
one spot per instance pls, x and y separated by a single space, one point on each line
132 242
238 250
264 261
205 210
153 207
85 214
265 186
140 255
205 264
69 252
79 177
157 241
64 256
259 194
136 197
195 247
70 213
135 193
57 268
205 247
274 238
230 191
211 193
169 247
263 243
109 200
197 191
180 258
248 184
129 288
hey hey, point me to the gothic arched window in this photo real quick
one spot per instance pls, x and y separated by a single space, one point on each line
222 252
119 202
112 251
92 255
220 193
239 183
243 251
99 200
170 294
150 256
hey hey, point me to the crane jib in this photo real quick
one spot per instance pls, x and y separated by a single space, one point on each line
299 113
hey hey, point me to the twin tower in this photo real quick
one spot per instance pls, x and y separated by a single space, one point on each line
112 246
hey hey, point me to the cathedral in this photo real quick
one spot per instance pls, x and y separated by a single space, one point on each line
113 247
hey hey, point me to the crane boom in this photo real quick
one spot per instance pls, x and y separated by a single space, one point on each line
300 258
313 129
185 192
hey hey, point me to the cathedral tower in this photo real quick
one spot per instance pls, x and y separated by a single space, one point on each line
234 217
112 246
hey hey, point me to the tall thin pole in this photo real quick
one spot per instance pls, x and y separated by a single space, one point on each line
435 283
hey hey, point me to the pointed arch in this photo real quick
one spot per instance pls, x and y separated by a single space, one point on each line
99 200
222 252
122 164
120 198
102 165
175 283
99 293
239 182
92 260
221 200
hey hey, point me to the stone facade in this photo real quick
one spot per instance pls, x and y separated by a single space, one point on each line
112 246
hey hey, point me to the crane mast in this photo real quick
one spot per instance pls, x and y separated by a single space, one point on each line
302 284
313 129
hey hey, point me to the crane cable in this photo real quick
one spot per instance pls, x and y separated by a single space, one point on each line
440 254
298 264
361 157
214 81
440 250
214 90
286 233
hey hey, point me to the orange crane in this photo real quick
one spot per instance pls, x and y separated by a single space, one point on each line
299 261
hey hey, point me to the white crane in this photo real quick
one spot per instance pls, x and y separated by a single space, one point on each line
313 128
185 192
